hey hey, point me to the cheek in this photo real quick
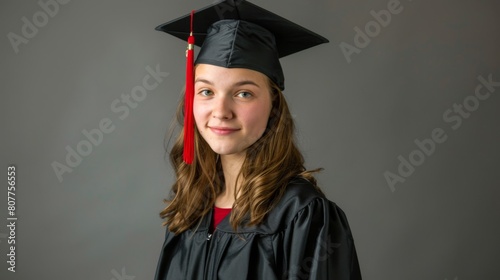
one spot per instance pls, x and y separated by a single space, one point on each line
199 113
257 119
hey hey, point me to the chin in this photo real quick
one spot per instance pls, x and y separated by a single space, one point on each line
223 151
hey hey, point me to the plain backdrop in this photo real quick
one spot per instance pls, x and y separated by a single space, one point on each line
359 116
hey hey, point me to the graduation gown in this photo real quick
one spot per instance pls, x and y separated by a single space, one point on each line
305 236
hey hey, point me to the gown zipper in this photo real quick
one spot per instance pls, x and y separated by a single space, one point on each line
209 259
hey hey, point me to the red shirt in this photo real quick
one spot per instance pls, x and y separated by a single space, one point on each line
219 215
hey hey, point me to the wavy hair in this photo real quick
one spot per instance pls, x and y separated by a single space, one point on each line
270 163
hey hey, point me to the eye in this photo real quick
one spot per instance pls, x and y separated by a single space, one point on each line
205 92
244 94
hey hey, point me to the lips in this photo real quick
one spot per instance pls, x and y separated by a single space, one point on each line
222 130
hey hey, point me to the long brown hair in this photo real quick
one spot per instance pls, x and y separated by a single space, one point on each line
270 163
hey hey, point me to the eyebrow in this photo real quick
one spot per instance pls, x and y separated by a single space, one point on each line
198 80
240 83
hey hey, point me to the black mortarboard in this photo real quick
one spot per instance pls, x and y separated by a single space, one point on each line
236 34
255 40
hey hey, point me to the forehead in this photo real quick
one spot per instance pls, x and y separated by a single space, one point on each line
218 74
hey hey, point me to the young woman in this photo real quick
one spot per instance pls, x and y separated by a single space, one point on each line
244 206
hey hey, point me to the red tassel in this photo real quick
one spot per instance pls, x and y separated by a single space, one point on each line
188 101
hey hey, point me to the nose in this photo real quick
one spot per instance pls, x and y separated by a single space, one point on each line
222 108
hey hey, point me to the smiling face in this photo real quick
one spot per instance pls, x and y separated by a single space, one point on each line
231 107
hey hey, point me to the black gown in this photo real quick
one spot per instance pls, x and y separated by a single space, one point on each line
305 236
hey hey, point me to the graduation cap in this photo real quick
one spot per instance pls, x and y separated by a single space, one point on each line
236 34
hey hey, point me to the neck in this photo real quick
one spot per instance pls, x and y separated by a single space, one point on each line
231 166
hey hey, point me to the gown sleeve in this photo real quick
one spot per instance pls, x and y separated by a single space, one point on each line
318 244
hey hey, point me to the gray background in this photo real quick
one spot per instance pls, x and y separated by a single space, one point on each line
354 119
